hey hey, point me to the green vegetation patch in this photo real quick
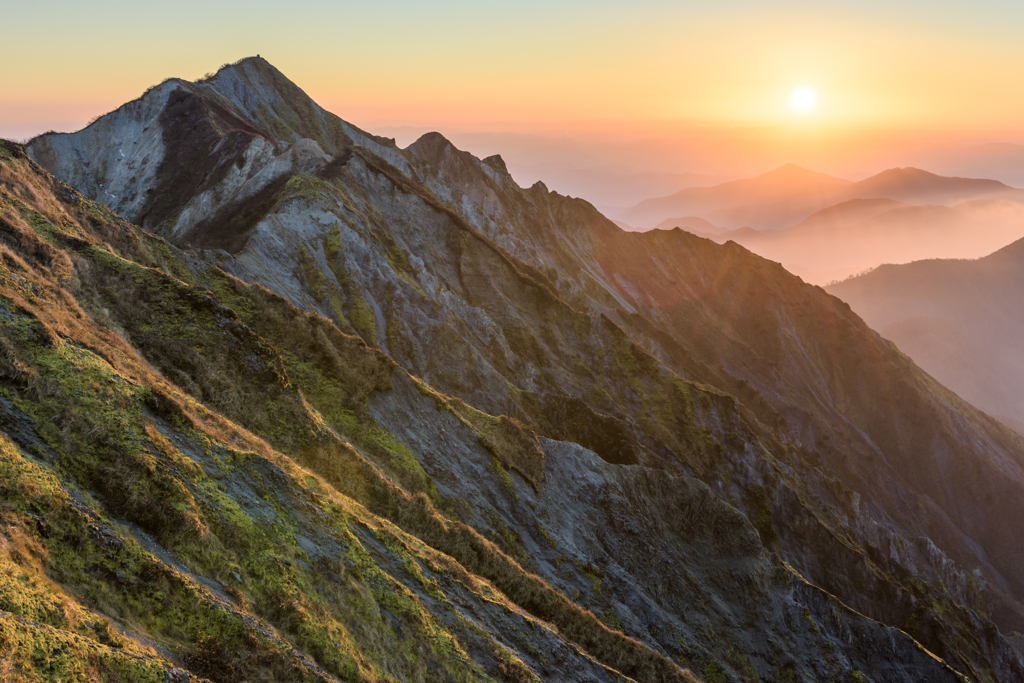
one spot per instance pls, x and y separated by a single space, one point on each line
78 547
513 444
77 360
362 318
31 653
308 187
208 528
11 150
312 277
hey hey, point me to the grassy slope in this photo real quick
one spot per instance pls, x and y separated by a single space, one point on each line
103 440
694 423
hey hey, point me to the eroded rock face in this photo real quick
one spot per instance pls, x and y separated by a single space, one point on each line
666 505
658 556
113 175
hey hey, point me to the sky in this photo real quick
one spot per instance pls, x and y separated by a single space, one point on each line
658 86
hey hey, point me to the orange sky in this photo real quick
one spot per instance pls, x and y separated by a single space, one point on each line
925 71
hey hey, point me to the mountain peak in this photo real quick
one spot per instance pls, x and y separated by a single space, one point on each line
906 173
497 163
255 64
915 184
430 146
189 137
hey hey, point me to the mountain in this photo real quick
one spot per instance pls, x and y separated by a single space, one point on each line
859 234
1000 160
771 200
841 215
914 186
438 426
959 320
789 195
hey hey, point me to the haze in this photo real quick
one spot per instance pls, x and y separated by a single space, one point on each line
663 88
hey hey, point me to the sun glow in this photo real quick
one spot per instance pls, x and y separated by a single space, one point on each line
803 99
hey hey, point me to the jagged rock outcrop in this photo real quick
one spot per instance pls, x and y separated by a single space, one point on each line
720 462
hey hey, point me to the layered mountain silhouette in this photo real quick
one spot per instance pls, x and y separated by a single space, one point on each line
772 200
321 408
859 234
914 186
897 216
790 194
960 320
1000 160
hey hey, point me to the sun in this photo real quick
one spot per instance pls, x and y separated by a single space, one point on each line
803 99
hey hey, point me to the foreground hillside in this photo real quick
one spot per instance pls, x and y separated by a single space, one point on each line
633 454
148 537
144 532
959 320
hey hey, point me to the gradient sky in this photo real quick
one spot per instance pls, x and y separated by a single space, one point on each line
647 71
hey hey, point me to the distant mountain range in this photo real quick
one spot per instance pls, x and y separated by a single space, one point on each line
914 186
789 194
999 160
826 229
771 200
962 321
859 234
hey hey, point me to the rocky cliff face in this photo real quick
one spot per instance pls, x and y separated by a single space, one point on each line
572 451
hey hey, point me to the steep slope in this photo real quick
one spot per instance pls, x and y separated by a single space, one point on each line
854 236
959 320
829 381
788 397
527 304
164 541
147 537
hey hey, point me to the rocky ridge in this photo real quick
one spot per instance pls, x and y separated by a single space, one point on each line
677 436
